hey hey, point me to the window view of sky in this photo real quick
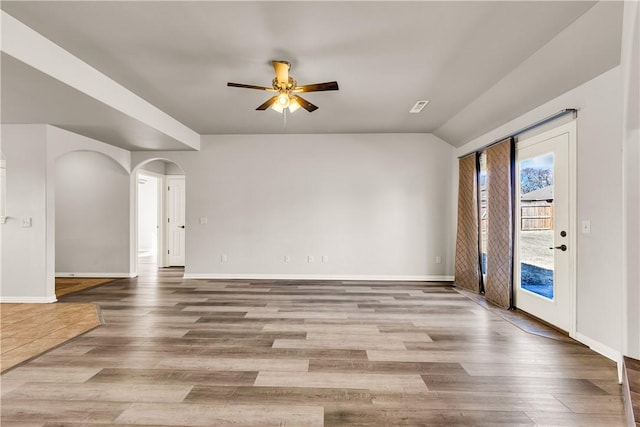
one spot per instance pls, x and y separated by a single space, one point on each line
536 173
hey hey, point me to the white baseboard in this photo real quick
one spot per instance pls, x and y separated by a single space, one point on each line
239 276
98 275
28 300
604 350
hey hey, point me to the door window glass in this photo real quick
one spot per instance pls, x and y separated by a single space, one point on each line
536 225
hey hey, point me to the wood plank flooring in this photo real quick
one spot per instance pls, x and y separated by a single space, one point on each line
31 329
632 390
69 285
274 353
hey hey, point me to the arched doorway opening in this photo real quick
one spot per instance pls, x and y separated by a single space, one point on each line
91 216
158 236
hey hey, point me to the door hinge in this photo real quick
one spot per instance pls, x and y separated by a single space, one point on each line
167 251
168 219
168 188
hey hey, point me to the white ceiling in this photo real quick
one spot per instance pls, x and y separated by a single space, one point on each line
478 63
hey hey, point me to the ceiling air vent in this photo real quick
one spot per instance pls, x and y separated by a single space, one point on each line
419 106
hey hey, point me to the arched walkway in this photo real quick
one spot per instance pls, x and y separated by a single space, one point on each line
91 215
157 215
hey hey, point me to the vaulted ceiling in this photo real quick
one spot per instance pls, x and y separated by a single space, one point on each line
479 63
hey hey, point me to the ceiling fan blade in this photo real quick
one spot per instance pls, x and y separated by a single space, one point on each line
269 89
282 71
268 103
305 104
316 87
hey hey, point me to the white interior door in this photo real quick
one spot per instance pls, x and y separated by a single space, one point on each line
544 249
176 220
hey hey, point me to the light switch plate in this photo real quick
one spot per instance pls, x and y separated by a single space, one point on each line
26 222
586 227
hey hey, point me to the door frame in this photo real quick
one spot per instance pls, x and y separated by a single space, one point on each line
570 129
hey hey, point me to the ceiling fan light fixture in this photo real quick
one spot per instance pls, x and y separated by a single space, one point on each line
283 100
293 106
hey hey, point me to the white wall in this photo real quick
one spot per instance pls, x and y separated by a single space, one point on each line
599 199
377 205
92 215
630 64
24 255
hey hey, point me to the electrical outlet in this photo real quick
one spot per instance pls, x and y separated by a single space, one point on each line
26 222
203 220
223 258
438 260
325 258
287 258
310 259
586 227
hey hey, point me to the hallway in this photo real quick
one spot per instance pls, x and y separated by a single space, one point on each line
274 353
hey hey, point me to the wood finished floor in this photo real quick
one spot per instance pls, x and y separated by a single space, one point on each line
236 353
69 285
30 329
632 367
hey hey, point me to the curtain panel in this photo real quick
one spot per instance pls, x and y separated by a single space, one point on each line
467 271
500 205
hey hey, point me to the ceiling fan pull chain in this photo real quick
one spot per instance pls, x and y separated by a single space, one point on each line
284 116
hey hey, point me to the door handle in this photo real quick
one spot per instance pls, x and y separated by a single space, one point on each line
561 247
182 226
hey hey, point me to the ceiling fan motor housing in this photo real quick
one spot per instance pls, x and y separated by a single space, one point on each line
284 87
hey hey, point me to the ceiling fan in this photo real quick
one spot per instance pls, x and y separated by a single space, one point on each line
287 90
